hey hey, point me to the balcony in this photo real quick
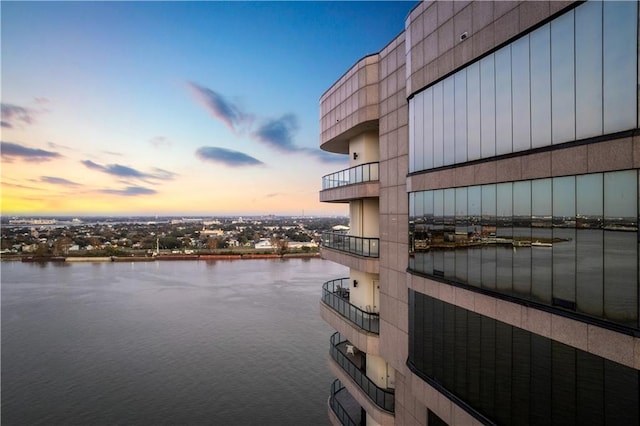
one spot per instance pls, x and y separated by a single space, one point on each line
344 406
352 362
362 181
335 294
360 246
357 174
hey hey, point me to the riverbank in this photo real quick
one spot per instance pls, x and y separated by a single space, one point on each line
162 257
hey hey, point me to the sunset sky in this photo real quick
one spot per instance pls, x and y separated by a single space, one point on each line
175 108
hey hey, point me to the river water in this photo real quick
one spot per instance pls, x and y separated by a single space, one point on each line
234 342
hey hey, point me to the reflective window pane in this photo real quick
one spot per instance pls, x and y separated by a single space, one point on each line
620 65
449 123
419 132
541 239
438 123
540 49
589 70
562 79
474 258
460 82
504 237
412 139
590 244
522 238
473 111
487 107
620 246
462 235
437 235
564 242
488 236
521 94
427 130
503 101
449 223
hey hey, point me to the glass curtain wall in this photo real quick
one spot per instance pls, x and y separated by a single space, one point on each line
571 79
569 242
512 376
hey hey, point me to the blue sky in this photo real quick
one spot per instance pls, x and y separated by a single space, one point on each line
175 107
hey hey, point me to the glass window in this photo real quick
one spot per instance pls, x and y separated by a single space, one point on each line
513 376
589 244
473 111
564 242
429 225
487 107
462 235
449 121
438 123
620 65
412 139
620 247
522 238
474 257
427 132
541 238
589 70
540 51
503 101
437 235
488 236
562 79
461 116
504 237
449 232
419 132
520 85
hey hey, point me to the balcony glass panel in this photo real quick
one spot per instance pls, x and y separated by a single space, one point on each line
344 406
361 246
383 398
335 294
358 174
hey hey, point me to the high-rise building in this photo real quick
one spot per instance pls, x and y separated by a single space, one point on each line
493 199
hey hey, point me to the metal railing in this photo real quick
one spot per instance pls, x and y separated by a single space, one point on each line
357 174
335 294
337 408
361 246
383 398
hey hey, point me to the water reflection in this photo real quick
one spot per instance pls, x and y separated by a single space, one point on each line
569 242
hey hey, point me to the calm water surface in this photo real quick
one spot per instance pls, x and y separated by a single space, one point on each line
185 342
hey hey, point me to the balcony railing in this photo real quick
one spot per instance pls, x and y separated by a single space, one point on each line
343 405
356 174
335 293
361 246
383 398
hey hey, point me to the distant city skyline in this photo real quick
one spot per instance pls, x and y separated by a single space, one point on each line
175 108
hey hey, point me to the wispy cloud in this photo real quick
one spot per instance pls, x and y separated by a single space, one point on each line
278 133
126 172
57 145
226 156
160 142
59 181
220 107
12 114
11 151
130 191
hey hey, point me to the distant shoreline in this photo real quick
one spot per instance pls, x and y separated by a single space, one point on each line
167 257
